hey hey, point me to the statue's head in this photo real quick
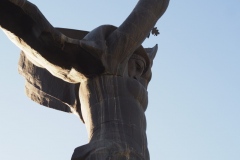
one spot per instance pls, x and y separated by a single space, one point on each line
140 64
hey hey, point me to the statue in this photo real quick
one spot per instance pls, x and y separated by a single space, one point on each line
101 76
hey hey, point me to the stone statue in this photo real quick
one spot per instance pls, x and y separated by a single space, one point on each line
101 76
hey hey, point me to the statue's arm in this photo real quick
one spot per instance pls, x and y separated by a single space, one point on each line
25 25
132 32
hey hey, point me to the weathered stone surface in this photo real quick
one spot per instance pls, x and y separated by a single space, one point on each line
101 76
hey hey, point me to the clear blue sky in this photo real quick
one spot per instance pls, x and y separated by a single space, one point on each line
194 95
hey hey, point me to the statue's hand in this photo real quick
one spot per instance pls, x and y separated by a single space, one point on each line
133 31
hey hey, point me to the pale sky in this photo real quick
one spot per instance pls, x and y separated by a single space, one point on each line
194 95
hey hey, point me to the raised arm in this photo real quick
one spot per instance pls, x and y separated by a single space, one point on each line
132 32
25 25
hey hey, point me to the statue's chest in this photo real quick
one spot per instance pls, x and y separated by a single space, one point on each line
109 87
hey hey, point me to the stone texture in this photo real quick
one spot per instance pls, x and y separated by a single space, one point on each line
101 75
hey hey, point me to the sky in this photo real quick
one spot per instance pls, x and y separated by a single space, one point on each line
194 95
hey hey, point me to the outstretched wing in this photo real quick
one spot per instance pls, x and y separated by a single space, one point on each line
48 90
44 45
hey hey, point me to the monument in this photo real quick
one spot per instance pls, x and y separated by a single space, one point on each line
101 75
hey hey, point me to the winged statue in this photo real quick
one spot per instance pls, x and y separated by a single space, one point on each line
100 75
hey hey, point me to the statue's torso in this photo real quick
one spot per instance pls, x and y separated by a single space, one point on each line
113 110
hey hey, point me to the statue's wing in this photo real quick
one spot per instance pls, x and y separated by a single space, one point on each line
45 89
44 45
